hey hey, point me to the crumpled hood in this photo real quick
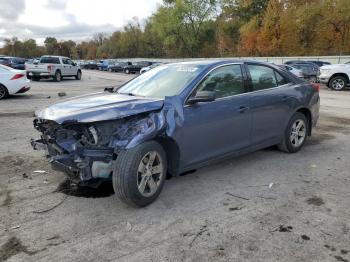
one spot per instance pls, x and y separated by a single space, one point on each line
99 107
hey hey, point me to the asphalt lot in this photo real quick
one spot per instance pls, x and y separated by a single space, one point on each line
264 206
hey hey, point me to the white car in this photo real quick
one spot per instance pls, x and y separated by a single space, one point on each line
293 70
12 81
335 77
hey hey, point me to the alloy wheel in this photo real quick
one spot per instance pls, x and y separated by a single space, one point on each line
338 84
298 133
149 174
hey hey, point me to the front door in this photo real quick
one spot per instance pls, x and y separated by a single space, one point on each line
213 129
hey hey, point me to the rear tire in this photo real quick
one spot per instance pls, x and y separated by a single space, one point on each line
3 92
57 77
296 133
137 179
338 83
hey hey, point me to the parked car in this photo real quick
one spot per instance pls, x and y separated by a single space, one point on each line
136 67
294 71
335 77
310 72
55 67
103 65
319 63
118 67
176 118
147 68
12 81
295 62
90 65
14 62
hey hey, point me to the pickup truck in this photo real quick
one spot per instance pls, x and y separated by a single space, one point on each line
55 67
335 77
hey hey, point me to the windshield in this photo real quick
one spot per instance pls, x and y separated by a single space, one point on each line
166 80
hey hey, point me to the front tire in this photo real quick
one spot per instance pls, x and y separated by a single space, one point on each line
295 134
3 92
78 76
139 174
338 83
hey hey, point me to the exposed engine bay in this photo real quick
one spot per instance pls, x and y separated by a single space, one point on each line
87 151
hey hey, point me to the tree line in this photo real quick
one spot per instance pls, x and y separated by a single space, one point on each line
214 28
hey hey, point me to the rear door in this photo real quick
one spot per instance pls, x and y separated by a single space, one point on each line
270 103
213 129
66 67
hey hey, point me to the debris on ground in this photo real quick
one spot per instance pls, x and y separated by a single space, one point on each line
61 94
128 226
24 175
40 171
234 208
316 201
15 227
230 194
270 185
305 237
282 228
51 208
199 233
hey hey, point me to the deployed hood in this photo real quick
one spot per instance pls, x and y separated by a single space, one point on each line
99 107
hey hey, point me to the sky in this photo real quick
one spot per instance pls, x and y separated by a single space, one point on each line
68 19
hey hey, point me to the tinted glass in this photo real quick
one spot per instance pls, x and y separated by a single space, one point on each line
50 60
280 79
167 80
65 61
263 77
224 81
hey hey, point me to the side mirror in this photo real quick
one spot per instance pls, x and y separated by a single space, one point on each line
202 96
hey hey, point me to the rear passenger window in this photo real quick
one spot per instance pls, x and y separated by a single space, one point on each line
224 81
50 60
263 77
280 79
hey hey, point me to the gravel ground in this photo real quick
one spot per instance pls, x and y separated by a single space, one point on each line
264 206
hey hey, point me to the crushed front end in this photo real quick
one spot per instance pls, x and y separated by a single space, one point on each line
86 151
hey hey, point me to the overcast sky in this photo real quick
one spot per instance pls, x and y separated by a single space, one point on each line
68 19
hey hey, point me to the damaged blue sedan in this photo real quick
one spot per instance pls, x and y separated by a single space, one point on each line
173 119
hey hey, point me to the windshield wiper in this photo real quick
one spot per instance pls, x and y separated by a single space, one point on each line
128 94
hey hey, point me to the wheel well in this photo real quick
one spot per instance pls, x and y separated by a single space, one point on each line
339 74
306 112
172 153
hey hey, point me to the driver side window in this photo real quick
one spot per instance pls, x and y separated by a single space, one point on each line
224 81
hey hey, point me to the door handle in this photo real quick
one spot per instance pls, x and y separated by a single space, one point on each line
242 109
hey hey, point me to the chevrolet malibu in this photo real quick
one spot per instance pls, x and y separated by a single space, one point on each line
173 119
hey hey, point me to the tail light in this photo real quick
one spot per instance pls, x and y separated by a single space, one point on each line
316 87
49 68
16 76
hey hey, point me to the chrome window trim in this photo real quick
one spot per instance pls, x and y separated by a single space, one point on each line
227 97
